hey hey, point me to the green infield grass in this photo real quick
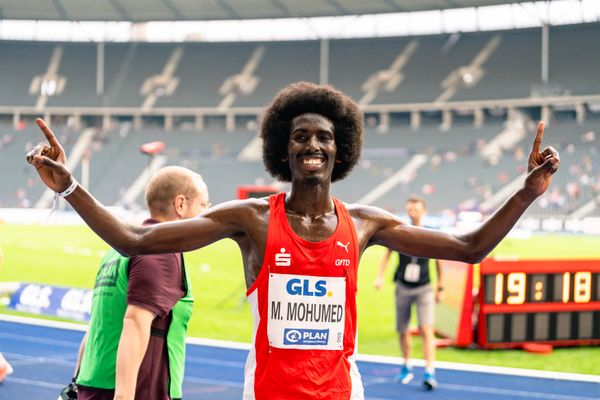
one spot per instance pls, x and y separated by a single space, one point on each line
69 256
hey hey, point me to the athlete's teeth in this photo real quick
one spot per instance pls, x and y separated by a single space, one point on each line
312 161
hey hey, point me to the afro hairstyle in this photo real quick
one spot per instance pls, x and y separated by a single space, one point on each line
305 97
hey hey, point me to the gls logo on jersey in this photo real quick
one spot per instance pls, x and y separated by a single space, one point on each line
283 259
301 287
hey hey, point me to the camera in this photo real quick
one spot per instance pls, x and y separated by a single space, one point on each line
69 392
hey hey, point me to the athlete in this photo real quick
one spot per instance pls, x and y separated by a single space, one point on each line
300 249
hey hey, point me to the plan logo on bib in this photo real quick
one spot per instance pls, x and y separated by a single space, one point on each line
283 259
306 337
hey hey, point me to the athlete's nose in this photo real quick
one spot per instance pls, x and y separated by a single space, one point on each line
312 143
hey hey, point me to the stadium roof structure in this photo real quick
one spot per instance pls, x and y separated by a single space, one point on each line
191 10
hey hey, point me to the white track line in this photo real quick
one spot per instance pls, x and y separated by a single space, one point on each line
213 382
511 393
40 340
213 361
43 322
23 359
30 382
530 373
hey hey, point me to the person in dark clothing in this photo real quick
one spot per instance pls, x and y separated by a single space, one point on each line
413 286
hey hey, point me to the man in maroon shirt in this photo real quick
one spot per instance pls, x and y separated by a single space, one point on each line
154 286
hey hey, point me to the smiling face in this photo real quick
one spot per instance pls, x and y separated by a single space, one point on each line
311 148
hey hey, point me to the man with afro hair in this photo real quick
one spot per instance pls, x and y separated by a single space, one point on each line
301 249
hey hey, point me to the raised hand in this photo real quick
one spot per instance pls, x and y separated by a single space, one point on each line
50 161
541 165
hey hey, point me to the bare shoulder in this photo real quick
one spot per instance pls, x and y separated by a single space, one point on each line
370 214
241 213
369 220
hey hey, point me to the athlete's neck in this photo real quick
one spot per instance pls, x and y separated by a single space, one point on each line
309 200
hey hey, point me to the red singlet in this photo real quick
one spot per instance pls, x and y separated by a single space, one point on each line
304 308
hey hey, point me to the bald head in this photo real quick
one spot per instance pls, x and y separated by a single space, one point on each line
176 193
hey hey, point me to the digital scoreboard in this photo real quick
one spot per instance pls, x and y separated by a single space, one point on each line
544 301
503 303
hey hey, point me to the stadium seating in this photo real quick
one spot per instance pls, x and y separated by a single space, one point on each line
511 71
455 176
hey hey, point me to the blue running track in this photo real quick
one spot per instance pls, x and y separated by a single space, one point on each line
44 358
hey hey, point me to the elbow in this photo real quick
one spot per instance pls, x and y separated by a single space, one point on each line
130 249
469 258
126 252
134 242
475 256
471 251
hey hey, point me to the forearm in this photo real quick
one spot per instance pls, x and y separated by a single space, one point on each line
116 233
439 279
132 348
383 264
80 355
166 237
494 229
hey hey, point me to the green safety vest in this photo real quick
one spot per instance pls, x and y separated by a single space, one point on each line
109 302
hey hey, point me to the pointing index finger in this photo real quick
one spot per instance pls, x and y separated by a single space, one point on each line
538 138
47 132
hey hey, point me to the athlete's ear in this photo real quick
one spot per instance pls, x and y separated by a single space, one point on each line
337 161
285 159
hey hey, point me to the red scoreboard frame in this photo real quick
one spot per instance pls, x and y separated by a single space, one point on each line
507 303
255 191
555 302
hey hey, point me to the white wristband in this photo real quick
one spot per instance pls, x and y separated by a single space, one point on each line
68 190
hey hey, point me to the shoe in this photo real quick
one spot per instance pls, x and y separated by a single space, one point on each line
405 376
5 368
429 381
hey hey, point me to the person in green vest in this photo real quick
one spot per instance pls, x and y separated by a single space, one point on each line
141 302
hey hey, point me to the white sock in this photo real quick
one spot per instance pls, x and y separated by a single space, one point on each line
430 370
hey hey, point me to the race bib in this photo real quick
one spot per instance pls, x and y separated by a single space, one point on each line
412 272
306 312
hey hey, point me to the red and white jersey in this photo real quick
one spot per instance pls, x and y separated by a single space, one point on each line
304 308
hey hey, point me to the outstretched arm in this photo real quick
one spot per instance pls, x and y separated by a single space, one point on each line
472 247
50 163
